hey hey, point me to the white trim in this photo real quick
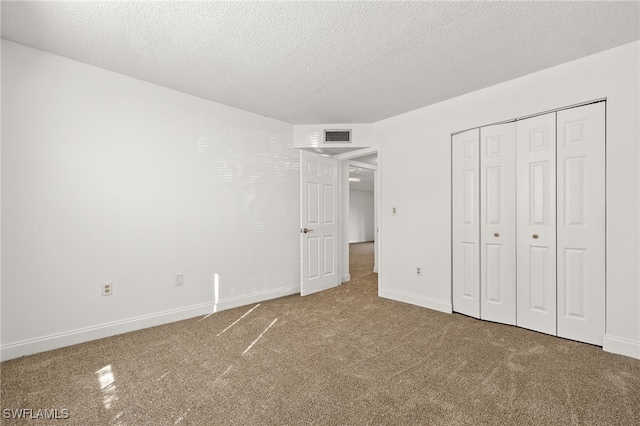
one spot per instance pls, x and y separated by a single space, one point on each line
621 346
74 337
536 114
346 278
260 296
377 200
425 302
356 153
362 165
55 341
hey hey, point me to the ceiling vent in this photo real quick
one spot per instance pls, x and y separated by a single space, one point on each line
337 136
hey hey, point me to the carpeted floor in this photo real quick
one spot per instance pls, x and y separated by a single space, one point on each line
340 357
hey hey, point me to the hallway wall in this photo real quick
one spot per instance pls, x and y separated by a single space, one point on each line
361 217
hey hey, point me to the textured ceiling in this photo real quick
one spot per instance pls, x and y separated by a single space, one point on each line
323 62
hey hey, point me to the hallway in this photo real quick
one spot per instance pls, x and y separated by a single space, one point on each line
361 261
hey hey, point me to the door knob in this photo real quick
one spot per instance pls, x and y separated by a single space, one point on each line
305 230
535 235
496 235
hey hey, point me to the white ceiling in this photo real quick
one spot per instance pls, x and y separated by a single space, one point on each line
323 62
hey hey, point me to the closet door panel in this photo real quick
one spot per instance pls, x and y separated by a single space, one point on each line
536 223
581 223
466 223
497 217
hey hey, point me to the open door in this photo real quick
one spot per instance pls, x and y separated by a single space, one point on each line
318 223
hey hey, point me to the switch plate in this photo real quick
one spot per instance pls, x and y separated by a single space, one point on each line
179 279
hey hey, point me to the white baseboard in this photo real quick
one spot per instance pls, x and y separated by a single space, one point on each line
55 341
346 278
425 302
621 346
261 296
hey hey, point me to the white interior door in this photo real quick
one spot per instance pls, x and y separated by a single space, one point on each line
581 223
498 223
466 222
318 223
536 218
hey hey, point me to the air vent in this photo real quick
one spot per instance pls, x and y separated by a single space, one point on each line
337 136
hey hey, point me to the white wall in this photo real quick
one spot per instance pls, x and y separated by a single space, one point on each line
361 208
107 178
415 150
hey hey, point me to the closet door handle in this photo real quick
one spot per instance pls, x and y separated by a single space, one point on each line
535 235
496 235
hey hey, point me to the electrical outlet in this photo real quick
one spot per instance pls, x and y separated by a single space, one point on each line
419 271
179 279
107 289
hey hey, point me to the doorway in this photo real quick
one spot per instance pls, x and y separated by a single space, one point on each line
314 255
361 259
360 208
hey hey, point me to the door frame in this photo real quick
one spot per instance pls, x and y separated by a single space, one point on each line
344 160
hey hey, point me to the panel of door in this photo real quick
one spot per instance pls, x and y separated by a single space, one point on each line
466 222
318 223
536 223
498 223
581 223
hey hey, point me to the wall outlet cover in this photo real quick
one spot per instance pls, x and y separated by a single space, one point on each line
107 289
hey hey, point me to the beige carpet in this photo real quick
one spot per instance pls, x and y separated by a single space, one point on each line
343 356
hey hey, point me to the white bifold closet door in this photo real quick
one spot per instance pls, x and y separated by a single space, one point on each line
466 223
529 223
484 234
581 223
536 216
498 223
